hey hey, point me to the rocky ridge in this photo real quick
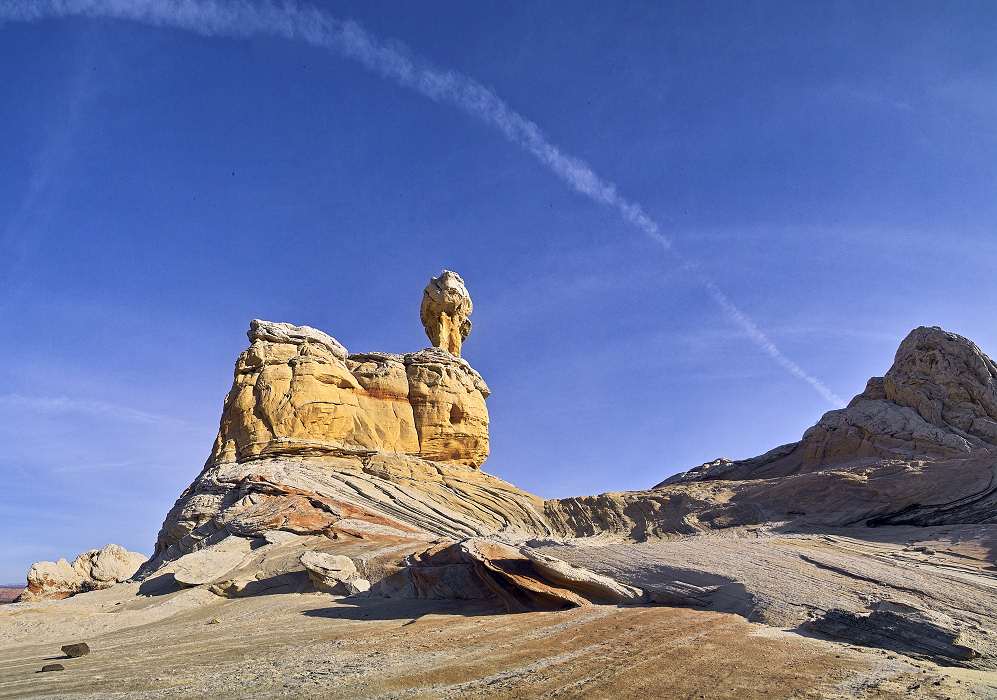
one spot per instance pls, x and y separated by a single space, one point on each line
916 447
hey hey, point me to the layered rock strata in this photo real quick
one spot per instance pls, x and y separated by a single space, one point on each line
916 447
297 391
315 440
937 401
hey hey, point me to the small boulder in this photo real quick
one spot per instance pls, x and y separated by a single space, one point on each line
53 667
77 650
331 573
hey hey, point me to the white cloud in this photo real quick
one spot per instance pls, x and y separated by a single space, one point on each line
63 404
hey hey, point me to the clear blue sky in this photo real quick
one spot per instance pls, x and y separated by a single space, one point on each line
831 166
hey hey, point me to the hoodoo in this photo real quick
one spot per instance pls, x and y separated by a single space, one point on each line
445 311
314 439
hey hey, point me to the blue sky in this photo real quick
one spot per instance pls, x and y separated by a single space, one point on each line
831 167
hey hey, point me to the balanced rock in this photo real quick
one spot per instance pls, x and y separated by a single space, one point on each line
92 570
314 440
446 306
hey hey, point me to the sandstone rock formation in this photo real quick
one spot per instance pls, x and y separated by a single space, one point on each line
518 579
333 573
358 475
92 570
938 400
914 448
315 440
446 306
297 391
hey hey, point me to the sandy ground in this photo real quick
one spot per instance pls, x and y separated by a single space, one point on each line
314 645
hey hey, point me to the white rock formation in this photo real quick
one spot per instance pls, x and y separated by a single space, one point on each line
92 570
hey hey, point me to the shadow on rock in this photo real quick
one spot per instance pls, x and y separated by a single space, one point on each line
366 608
160 585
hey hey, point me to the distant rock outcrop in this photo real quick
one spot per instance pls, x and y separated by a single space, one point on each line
92 570
938 400
918 446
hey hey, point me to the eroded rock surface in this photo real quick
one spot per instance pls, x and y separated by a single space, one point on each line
372 496
92 570
874 587
296 391
914 448
937 401
517 578
900 627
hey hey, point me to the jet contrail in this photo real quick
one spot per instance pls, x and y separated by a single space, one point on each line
391 60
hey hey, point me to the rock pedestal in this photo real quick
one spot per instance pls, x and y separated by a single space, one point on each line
297 391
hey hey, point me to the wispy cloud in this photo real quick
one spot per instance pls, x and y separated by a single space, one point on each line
44 186
53 405
765 344
391 60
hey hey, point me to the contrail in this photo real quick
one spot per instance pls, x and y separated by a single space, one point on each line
394 61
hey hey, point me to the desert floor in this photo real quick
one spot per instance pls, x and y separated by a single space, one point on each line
190 643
